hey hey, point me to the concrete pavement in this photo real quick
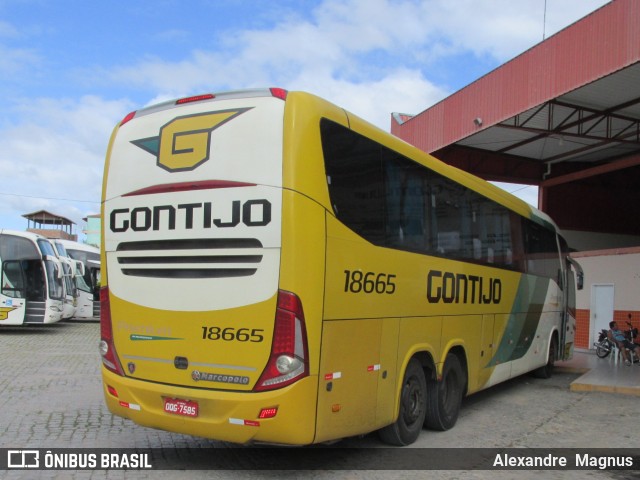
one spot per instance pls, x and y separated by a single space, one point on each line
51 397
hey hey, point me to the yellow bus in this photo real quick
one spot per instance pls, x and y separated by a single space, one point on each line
277 270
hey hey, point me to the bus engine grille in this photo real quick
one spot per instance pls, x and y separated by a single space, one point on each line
192 258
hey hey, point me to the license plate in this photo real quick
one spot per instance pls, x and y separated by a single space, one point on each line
177 406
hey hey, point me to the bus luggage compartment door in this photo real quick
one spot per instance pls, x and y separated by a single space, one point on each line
348 378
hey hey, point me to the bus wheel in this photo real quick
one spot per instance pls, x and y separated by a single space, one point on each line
445 396
413 404
547 370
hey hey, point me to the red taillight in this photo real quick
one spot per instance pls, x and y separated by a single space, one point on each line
280 93
289 359
107 349
127 118
195 98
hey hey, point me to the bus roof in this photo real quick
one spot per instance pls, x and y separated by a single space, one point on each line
78 246
18 233
467 179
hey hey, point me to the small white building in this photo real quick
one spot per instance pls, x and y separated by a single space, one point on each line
611 292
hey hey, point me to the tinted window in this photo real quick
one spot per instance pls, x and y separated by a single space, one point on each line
354 174
16 248
541 251
392 201
46 248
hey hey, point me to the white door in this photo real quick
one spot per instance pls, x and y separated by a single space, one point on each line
601 309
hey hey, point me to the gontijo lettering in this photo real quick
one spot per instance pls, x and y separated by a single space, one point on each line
252 213
449 287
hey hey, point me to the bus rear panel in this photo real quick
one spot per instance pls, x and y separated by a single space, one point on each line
197 336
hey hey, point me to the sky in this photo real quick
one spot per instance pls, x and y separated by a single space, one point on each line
71 69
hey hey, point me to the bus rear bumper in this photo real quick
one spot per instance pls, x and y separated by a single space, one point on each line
222 415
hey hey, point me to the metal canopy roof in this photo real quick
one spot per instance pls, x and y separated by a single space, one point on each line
594 123
564 115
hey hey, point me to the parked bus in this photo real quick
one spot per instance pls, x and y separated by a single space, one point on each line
278 270
88 279
31 276
70 269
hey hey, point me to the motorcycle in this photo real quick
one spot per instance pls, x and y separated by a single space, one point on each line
603 346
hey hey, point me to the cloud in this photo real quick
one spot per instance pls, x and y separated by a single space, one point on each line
53 155
400 90
500 29
172 35
7 29
15 61
357 43
329 54
372 57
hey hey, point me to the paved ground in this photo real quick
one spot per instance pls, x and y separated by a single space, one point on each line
608 374
51 397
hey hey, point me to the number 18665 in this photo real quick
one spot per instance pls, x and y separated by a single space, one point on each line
356 281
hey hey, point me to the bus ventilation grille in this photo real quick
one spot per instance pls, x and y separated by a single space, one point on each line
193 258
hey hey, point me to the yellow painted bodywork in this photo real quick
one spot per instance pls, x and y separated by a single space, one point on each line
359 343
294 423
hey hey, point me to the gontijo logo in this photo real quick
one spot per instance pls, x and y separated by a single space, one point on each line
183 143
4 312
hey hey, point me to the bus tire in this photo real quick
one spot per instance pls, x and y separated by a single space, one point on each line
413 403
546 371
445 396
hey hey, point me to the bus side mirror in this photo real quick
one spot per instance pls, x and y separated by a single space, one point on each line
79 268
56 263
579 273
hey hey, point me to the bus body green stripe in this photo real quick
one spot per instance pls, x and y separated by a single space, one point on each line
523 320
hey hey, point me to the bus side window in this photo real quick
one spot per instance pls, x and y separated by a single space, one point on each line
541 251
405 206
392 201
355 180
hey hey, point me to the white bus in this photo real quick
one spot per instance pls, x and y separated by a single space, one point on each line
71 269
31 277
87 283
